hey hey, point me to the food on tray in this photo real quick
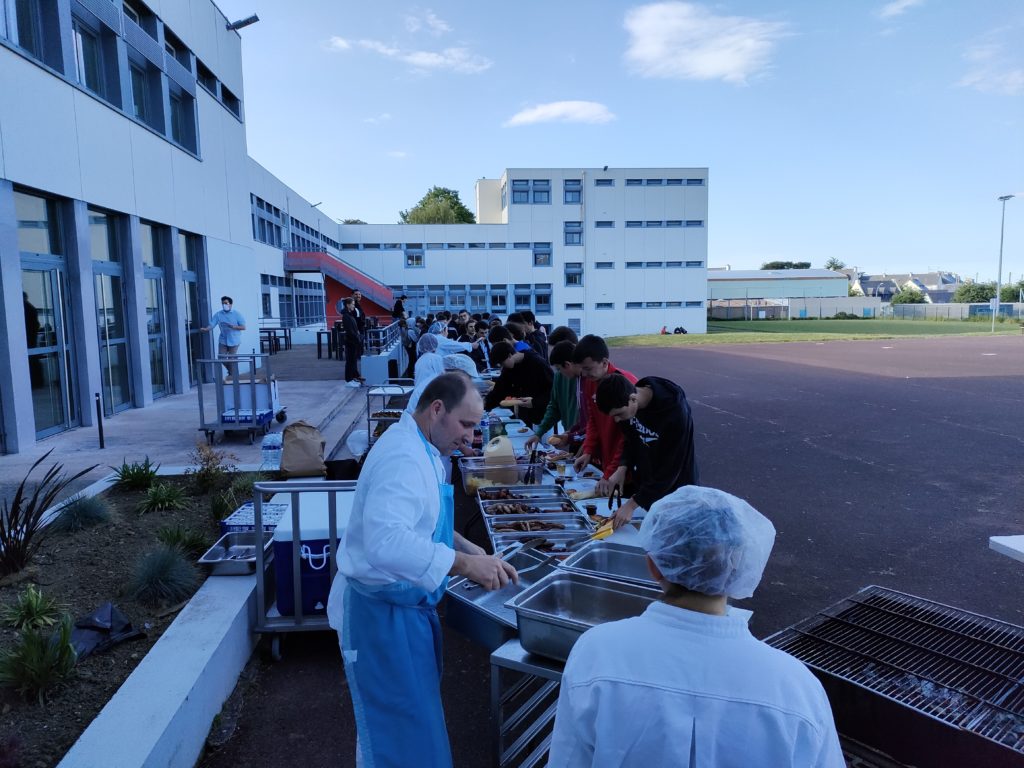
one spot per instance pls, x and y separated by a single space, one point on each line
527 526
598 520
577 494
554 456
519 508
588 473
474 484
556 440
504 493
386 415
523 431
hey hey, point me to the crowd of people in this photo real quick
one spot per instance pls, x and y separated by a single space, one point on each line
711 694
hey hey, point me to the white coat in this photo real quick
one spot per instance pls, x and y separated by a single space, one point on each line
678 688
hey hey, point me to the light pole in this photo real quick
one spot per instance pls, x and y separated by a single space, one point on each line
999 274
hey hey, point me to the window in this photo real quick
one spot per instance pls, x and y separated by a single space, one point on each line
542 298
520 183
652 224
499 298
634 304
151 239
38 224
604 224
604 183
695 222
695 263
520 245
695 182
456 245
632 224
520 196
188 251
604 265
673 223
573 193
103 236
574 273
695 303
523 295
652 304
653 264
140 96
206 78
542 191
350 246
673 303
229 100
497 245
435 246
38 30
574 305
477 245
604 305
371 246
542 254
574 233
413 258
674 182
392 246
654 182
634 182
183 119
132 13
88 57
634 264
574 324
673 263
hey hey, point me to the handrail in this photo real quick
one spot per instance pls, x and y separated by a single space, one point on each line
382 339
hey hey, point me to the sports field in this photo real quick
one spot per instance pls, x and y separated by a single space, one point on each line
752 331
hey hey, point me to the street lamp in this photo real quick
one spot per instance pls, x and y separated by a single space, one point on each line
999 274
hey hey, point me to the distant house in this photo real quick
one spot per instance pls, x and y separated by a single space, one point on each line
937 287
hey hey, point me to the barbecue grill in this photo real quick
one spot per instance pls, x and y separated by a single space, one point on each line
925 683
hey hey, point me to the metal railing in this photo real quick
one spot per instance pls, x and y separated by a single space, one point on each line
382 339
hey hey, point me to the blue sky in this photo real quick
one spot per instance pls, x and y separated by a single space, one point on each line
877 132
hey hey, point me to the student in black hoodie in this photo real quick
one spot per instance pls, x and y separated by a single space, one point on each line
655 419
523 374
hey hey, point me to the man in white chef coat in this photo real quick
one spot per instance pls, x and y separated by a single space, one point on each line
704 693
394 560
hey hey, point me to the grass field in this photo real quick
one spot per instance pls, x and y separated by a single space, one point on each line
757 331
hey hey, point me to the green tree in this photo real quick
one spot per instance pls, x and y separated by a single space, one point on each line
1011 293
835 264
908 296
786 265
974 293
352 221
439 206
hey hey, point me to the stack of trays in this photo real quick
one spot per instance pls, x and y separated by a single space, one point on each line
543 512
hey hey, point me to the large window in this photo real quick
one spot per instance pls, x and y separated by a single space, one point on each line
542 254
541 191
574 233
499 298
38 225
183 118
38 30
414 257
542 298
523 297
574 273
573 191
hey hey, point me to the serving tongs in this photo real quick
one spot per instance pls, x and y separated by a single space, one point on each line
530 476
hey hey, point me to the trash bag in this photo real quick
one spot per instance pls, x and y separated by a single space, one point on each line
302 451
358 442
101 630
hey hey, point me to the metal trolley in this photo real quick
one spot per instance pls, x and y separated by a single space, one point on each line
242 404
339 494
380 400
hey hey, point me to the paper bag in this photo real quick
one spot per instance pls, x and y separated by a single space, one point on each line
302 451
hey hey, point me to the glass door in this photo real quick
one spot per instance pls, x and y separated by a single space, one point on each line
193 330
156 329
49 351
114 359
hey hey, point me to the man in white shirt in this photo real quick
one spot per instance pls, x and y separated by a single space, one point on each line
393 565
704 693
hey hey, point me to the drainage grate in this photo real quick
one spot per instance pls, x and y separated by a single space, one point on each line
880 648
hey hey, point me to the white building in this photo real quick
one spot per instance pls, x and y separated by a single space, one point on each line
129 205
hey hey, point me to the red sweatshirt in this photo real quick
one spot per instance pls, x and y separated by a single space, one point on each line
604 441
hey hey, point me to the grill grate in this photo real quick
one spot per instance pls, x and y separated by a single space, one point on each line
958 667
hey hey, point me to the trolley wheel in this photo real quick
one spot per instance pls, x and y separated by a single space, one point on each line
281 417
275 648
252 436
209 437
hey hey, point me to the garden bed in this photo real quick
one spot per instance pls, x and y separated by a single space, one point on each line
81 571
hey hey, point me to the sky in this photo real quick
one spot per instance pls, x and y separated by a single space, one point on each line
879 133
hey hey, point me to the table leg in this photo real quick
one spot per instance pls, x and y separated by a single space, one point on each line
497 721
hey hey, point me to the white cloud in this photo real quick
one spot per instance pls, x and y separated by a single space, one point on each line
689 42
990 69
398 154
562 112
339 43
429 20
897 8
383 117
460 60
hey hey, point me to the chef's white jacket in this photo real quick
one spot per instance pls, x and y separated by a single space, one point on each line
394 513
446 346
678 688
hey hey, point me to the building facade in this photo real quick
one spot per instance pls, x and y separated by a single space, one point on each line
129 205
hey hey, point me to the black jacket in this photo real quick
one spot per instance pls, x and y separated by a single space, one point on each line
659 443
349 323
530 377
399 311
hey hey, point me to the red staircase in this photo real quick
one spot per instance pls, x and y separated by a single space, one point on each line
377 297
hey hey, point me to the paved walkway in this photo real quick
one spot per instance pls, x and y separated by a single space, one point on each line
167 431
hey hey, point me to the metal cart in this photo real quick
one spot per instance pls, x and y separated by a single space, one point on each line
243 403
379 401
334 495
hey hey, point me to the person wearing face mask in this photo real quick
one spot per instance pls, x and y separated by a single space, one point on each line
231 324
394 561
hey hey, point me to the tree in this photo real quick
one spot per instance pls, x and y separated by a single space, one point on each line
835 264
908 296
352 221
439 206
786 265
1011 293
974 293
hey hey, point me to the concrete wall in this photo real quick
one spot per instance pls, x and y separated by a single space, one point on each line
777 288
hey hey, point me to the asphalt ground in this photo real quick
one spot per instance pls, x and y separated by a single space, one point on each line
884 462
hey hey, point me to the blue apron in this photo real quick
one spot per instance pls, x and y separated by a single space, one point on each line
392 638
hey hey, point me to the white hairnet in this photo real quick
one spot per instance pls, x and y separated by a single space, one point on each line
427 366
427 343
461 363
708 541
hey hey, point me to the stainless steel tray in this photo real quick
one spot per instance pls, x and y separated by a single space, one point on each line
612 560
571 522
482 615
234 554
554 612
522 492
556 506
564 542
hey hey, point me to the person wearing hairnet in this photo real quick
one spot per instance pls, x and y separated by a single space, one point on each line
429 365
704 693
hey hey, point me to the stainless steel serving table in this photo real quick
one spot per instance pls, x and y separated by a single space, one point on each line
524 695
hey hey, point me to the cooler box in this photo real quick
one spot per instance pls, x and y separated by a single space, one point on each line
315 554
